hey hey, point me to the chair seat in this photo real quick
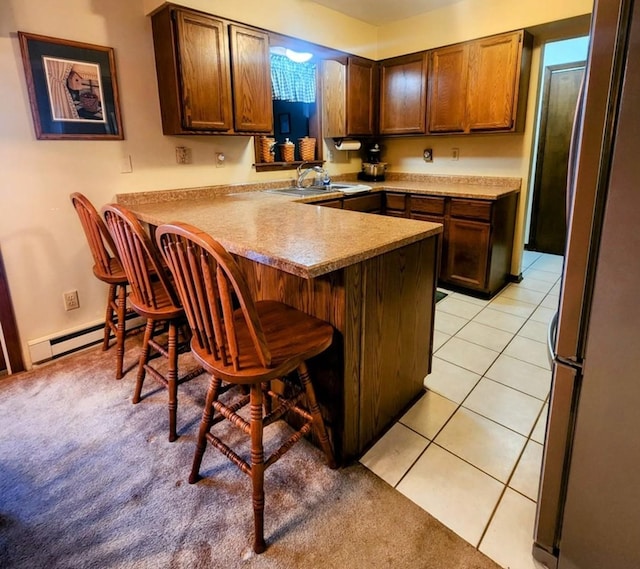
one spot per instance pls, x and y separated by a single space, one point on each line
165 308
115 275
293 337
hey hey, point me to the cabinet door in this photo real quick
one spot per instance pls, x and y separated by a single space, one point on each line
251 72
467 253
347 97
403 94
334 78
361 95
448 88
494 70
205 82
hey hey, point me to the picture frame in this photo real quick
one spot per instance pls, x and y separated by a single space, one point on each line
73 89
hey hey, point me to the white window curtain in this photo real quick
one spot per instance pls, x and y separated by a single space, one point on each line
291 81
62 106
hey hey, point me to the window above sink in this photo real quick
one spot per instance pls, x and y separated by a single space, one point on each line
296 95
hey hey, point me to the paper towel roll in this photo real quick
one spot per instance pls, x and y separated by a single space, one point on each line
348 145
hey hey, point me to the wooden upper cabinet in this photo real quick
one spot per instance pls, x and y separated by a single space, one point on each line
348 97
195 66
481 85
361 96
403 94
252 100
448 88
204 72
494 71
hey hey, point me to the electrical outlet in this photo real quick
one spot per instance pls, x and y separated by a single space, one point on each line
71 301
220 158
455 153
183 155
427 154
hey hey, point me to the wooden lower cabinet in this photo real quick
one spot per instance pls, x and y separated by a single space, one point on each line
474 251
477 241
395 204
468 243
439 247
336 203
369 203
383 312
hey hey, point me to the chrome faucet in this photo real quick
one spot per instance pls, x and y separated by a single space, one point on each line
303 173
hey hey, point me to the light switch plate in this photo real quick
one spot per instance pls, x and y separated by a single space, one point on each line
427 154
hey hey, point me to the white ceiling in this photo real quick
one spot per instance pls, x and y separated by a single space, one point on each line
379 12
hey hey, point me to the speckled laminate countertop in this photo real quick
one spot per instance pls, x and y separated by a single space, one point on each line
471 191
278 230
300 238
474 187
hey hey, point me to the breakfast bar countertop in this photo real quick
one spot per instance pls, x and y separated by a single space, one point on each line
299 238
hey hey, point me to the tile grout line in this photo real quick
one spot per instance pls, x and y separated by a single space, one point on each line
506 485
483 376
460 405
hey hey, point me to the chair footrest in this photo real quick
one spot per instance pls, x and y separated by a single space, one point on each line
284 406
230 454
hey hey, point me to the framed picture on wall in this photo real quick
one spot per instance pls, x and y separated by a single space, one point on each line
72 87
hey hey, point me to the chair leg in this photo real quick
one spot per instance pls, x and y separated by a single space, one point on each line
172 379
120 328
266 397
257 468
318 421
108 317
144 358
205 425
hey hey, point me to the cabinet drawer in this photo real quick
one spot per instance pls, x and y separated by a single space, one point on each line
427 217
471 209
368 203
425 204
395 202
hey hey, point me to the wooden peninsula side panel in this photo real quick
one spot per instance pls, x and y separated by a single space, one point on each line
383 311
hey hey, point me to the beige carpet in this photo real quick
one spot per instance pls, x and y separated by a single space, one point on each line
88 480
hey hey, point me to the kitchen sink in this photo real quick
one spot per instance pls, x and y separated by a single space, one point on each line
301 192
310 191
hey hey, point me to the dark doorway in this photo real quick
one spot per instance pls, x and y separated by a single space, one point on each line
9 329
548 211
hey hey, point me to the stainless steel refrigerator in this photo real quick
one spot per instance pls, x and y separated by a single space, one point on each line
588 514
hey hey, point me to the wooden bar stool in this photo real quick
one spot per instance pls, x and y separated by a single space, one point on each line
246 348
153 297
107 268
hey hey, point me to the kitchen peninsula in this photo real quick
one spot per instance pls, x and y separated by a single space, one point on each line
372 277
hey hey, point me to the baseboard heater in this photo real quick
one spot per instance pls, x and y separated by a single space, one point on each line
45 349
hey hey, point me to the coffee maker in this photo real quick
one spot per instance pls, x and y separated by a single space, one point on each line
372 169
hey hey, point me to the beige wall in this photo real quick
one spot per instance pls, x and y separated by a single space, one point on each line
297 18
469 19
43 247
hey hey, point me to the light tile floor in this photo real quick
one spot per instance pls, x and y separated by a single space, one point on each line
469 451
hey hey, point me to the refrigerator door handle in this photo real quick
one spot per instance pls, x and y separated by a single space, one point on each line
552 330
555 463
